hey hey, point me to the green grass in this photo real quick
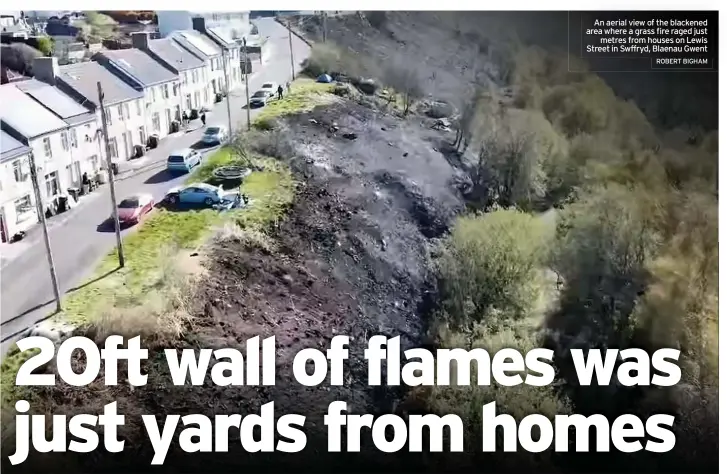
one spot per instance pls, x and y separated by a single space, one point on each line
144 251
305 95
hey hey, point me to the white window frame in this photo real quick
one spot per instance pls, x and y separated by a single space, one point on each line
47 148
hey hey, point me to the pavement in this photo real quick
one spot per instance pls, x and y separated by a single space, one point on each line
77 242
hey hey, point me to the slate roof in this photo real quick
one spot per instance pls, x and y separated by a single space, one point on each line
10 147
26 116
57 102
82 77
202 46
141 67
220 35
175 55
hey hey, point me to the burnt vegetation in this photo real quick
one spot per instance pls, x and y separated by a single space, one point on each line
594 211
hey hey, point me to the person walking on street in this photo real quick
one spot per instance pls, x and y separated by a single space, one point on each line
203 118
185 119
280 92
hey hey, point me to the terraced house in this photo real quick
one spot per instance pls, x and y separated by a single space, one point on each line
194 89
208 51
160 86
29 127
84 133
17 202
124 104
230 47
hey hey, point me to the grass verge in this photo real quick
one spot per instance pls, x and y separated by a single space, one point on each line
135 291
305 94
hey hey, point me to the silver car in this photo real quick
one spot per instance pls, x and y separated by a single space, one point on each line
214 135
259 99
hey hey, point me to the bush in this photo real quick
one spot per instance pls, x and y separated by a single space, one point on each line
489 265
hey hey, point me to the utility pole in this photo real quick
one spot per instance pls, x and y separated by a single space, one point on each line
290 42
225 68
247 89
41 217
112 186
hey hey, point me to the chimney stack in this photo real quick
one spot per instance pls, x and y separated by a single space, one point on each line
140 40
198 24
46 69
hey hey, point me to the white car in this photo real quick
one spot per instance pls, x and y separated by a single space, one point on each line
271 88
214 135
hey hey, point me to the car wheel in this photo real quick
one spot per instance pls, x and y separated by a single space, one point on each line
208 201
174 199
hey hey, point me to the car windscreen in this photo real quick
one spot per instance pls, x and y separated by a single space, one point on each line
212 131
129 204
176 159
267 85
259 94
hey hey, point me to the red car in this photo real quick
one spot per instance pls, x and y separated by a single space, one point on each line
133 208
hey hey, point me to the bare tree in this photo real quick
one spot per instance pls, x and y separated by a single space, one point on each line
509 170
405 80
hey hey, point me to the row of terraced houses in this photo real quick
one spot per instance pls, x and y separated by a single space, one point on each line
146 89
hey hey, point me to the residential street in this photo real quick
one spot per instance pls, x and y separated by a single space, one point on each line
26 291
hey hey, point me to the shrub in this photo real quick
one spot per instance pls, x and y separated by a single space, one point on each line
489 265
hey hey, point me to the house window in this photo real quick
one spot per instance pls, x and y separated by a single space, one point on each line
120 110
47 151
109 122
142 136
138 108
23 209
156 125
126 109
20 170
51 184
165 91
64 141
74 138
113 148
174 89
153 94
94 163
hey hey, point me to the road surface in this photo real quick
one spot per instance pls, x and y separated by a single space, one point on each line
26 293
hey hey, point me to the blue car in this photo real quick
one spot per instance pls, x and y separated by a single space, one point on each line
196 193
184 160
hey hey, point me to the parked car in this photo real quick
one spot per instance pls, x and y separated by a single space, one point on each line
196 193
133 208
271 88
214 135
184 160
259 99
